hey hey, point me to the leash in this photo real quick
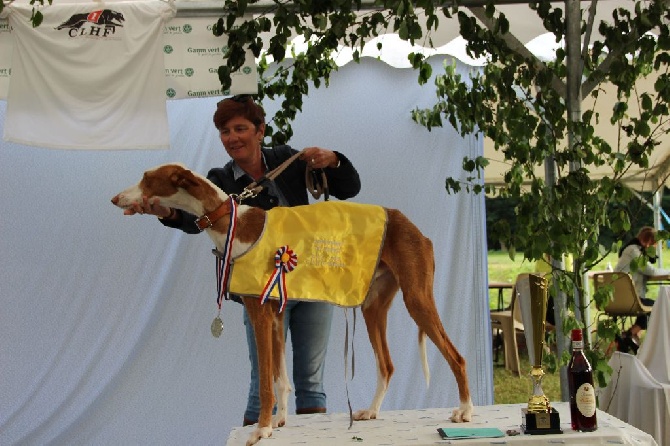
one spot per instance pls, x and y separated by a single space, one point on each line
346 360
316 188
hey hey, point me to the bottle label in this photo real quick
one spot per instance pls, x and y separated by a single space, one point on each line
577 345
586 399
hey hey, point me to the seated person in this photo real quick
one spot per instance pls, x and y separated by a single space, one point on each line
635 251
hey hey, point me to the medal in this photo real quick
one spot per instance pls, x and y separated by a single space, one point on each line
223 262
217 327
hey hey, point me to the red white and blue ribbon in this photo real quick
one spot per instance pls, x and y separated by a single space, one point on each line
285 262
223 261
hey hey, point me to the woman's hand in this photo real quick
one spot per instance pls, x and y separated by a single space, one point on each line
318 158
151 207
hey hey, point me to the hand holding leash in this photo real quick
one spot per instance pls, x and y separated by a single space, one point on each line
318 158
315 157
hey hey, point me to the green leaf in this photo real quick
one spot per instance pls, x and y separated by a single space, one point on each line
37 18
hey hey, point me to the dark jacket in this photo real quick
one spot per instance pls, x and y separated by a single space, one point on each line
343 183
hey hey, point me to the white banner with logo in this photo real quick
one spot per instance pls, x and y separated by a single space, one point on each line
91 76
192 58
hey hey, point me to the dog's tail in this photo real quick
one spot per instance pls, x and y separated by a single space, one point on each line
424 356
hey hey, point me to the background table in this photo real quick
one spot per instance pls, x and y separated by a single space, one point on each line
659 280
500 286
419 427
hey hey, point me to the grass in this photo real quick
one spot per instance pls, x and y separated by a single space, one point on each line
509 388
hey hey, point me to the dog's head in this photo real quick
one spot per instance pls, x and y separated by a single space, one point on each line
175 186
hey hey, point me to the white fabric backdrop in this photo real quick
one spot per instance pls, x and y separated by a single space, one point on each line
104 319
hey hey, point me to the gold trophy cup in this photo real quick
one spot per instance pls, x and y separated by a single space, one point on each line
539 417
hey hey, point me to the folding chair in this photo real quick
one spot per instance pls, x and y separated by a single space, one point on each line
509 323
625 302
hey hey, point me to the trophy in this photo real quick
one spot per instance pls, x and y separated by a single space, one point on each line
539 417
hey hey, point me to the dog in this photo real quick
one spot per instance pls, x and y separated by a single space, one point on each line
176 186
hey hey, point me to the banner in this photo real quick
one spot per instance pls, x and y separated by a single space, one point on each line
192 58
91 76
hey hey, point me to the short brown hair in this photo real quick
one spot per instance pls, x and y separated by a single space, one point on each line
647 235
240 105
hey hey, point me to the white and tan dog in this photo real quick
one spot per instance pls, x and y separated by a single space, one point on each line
177 187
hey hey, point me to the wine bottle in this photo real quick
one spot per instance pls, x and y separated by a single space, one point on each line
580 384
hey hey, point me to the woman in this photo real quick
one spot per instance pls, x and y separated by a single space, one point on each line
241 125
635 252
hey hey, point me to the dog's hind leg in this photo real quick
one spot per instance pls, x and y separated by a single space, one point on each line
457 364
279 371
261 318
375 313
409 256
420 304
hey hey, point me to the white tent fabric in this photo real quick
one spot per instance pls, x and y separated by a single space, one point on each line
105 318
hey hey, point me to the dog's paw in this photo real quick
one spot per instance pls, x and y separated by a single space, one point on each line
365 415
463 414
278 420
258 433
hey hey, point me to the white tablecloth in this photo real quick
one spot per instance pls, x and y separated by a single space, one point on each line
419 427
655 350
639 391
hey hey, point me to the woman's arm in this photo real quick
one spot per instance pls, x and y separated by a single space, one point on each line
343 181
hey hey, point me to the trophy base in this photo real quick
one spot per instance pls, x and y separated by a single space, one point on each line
541 423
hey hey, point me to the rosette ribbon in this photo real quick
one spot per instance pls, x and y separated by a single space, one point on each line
285 262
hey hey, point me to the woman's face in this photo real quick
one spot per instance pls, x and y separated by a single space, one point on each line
241 139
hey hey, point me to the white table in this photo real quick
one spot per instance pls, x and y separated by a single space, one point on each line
419 427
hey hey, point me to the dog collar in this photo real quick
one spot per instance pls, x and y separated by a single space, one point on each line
207 220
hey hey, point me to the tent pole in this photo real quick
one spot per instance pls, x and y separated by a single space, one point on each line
573 102
658 224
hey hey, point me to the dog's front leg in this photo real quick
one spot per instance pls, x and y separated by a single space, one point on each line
279 370
261 319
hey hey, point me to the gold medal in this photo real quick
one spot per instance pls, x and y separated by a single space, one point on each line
217 327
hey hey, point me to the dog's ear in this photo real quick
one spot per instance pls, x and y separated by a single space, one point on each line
184 179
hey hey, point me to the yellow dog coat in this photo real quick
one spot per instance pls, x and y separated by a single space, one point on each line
337 244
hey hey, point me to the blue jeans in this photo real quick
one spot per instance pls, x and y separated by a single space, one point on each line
309 324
